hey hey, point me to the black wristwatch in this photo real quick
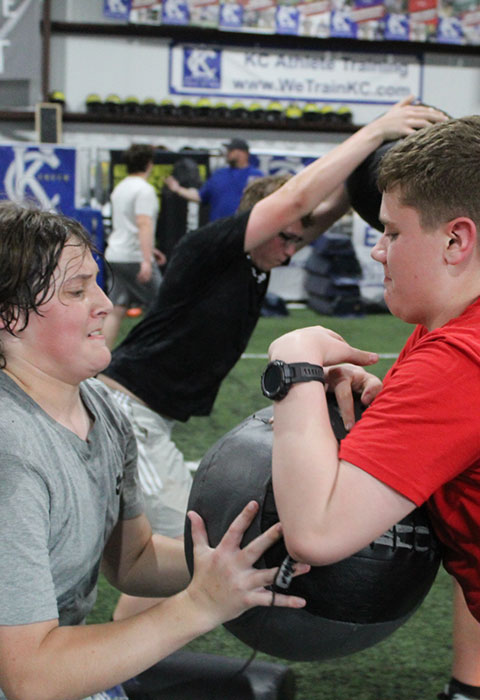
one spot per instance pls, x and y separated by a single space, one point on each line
279 376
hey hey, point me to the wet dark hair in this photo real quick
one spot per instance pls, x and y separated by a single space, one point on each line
31 242
138 157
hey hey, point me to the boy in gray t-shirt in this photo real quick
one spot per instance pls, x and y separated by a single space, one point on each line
69 503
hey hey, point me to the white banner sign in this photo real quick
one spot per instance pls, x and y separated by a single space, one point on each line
293 75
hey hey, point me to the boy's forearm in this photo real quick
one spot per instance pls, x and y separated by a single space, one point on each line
161 570
75 662
306 191
327 213
145 237
158 569
189 193
324 176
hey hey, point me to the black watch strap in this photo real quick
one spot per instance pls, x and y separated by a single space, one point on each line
306 372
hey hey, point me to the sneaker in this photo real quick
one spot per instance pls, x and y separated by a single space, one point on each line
134 312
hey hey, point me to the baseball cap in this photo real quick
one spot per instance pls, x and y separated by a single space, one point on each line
239 144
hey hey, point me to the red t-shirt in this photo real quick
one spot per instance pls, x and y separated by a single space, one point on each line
421 436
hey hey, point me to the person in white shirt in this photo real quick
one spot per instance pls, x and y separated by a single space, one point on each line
134 277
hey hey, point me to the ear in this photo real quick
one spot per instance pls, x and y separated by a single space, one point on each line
461 240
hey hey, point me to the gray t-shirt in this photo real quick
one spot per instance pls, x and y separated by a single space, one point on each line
60 498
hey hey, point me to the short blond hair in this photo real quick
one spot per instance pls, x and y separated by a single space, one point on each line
261 187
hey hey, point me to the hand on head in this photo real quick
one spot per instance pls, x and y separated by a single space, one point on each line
405 117
225 582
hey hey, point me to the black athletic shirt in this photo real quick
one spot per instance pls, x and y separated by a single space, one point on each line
206 310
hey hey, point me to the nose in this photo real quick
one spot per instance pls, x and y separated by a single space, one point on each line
102 304
378 251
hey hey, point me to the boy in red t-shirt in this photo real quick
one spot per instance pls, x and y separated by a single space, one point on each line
413 444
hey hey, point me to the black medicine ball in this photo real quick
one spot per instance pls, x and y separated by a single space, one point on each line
352 604
362 188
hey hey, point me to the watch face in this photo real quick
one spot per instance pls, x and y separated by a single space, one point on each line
272 380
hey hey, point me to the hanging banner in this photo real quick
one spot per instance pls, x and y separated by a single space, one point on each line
247 15
291 75
43 174
149 12
116 9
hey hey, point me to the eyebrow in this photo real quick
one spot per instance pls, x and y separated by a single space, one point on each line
82 277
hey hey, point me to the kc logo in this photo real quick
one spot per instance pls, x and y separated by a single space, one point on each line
202 68
21 178
198 64
287 18
175 11
117 5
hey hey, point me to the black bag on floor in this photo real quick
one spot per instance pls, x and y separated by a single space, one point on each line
194 676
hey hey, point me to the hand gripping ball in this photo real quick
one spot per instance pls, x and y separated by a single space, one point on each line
352 604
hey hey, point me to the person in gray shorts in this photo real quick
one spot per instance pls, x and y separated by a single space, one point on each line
134 277
70 505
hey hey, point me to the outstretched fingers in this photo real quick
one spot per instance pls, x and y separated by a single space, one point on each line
361 357
351 354
406 101
267 577
254 549
234 535
262 579
265 598
199 531
225 581
236 530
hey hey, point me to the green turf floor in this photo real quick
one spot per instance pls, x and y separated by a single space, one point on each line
414 662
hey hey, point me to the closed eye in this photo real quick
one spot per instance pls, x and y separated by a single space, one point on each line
290 238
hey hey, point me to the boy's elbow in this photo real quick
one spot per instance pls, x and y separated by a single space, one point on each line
311 548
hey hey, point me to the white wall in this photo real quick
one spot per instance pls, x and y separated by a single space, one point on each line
82 65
